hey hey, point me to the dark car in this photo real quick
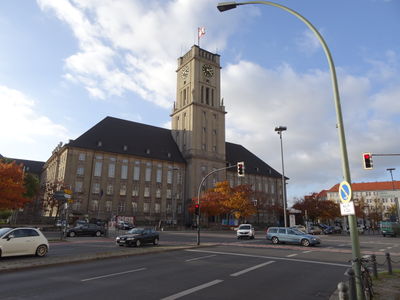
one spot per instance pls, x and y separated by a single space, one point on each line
86 229
125 225
137 237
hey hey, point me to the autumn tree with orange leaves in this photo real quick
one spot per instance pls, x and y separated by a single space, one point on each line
224 199
12 189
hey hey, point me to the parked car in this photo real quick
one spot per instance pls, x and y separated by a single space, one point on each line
291 236
22 241
326 229
86 229
313 229
137 237
300 227
390 228
125 225
245 230
337 229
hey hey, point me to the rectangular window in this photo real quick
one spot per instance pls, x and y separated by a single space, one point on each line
148 172
82 156
96 188
179 208
122 190
110 189
78 186
136 170
124 172
169 208
121 207
158 193
95 205
159 174
108 206
80 171
157 208
146 207
146 191
135 191
169 194
97 168
169 175
134 207
111 170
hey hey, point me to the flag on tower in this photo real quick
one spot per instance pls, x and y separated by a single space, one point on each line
200 32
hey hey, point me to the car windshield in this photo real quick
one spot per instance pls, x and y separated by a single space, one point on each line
4 231
298 231
244 227
136 231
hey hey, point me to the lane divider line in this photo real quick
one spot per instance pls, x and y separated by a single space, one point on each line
113 274
251 268
291 255
201 257
192 290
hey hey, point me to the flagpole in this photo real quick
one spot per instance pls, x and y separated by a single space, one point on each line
198 36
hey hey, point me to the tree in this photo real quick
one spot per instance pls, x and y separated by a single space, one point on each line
317 209
223 199
12 189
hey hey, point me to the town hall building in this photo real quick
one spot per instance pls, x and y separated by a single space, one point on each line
150 174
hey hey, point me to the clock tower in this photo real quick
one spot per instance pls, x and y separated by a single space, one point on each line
198 118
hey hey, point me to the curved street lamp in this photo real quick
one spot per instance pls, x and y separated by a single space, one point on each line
342 140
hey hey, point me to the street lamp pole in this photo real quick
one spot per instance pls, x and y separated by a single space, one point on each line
279 131
342 139
396 200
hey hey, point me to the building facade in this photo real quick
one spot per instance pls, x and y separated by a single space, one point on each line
124 168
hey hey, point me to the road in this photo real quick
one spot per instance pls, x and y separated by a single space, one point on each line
229 269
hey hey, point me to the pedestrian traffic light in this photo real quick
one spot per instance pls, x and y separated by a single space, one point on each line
367 160
240 169
197 209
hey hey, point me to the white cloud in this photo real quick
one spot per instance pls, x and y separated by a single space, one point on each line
308 42
23 127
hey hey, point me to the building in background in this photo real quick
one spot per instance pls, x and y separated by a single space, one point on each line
124 168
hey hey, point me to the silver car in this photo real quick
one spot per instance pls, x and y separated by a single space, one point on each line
245 230
291 236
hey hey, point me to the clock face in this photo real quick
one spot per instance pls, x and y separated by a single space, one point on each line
185 72
208 70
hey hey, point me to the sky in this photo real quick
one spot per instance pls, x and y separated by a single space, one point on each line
67 64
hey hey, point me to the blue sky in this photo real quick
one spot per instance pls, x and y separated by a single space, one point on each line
65 65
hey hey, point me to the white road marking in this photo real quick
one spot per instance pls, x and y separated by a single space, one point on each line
113 274
251 268
192 290
389 247
382 250
202 257
342 245
308 251
291 255
271 257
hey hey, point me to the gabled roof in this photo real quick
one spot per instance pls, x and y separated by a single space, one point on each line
127 137
253 165
30 166
369 186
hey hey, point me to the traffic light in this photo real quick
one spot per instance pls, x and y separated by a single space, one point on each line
197 209
367 160
240 169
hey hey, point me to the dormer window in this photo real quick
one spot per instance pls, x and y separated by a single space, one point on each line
125 147
147 151
169 155
99 144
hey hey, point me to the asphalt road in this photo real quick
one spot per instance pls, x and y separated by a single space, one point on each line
205 273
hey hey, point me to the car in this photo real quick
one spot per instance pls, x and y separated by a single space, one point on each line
137 237
22 241
125 225
86 229
291 236
313 229
245 230
326 229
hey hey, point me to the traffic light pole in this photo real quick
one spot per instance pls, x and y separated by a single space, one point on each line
198 197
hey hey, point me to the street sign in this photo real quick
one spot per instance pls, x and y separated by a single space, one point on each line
59 195
345 192
69 192
347 208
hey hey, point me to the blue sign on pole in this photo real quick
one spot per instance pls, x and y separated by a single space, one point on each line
345 192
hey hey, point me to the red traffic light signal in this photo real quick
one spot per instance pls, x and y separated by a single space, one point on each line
197 209
240 169
367 160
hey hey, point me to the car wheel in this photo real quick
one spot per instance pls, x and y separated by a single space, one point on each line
252 237
138 243
155 241
275 240
41 250
98 233
72 234
384 235
305 242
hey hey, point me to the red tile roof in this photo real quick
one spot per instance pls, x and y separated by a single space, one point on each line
369 186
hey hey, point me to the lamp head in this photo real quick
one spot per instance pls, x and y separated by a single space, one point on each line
280 128
223 6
